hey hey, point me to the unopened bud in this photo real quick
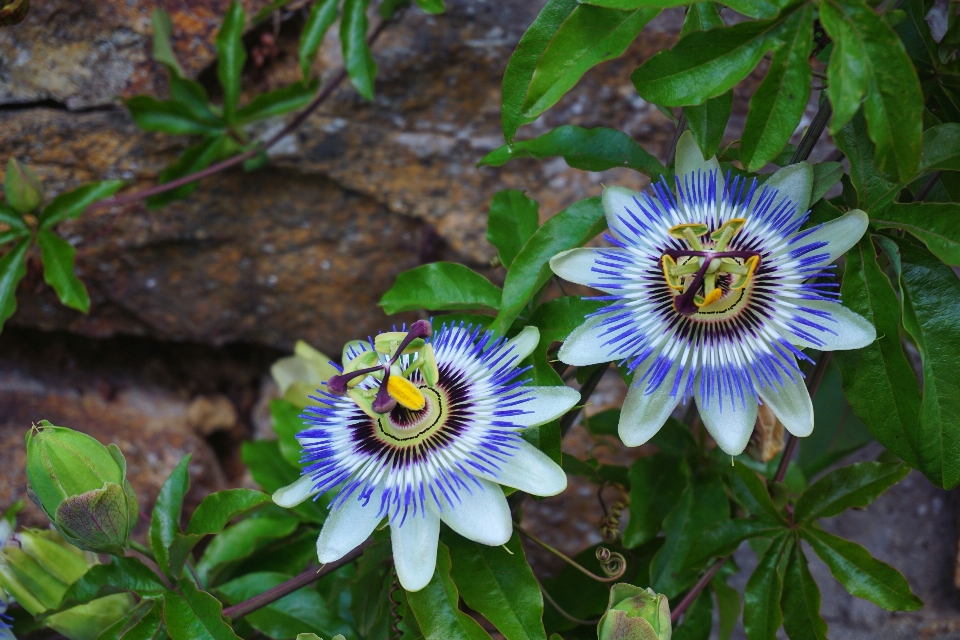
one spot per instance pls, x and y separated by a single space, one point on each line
300 376
82 487
635 614
22 187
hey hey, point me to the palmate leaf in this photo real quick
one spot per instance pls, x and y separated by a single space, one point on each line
762 615
165 521
698 620
440 286
191 614
853 486
513 218
708 121
58 271
656 484
874 192
800 601
934 224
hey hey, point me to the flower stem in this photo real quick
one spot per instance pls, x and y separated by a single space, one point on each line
704 580
299 119
813 133
586 390
570 560
310 575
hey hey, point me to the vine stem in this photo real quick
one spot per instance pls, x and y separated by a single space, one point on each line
307 577
573 563
290 127
927 187
813 133
586 390
697 588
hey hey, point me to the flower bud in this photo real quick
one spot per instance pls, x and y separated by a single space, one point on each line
22 187
82 487
300 375
13 11
635 614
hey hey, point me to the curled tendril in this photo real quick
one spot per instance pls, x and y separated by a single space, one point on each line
610 522
613 564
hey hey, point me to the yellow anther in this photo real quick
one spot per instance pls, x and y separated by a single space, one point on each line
726 231
429 369
712 297
406 393
669 266
691 232
751 266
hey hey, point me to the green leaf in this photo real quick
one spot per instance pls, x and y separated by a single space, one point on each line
57 255
698 619
440 286
762 615
231 56
705 64
523 63
193 96
121 575
22 189
801 600
322 15
278 102
162 51
194 615
267 465
869 63
72 203
941 148
588 149
708 121
778 103
874 192
931 315
724 537
194 159
287 423
530 270
860 573
701 16
878 380
702 503
588 36
825 175
169 117
302 611
241 541
513 218
217 509
143 623
751 492
937 225
433 7
435 606
656 484
370 592
356 52
12 218
856 485
728 604
498 584
165 521
12 270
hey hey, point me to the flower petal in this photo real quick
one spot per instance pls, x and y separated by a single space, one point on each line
545 404
293 494
791 403
840 233
729 423
837 328
346 527
794 182
576 265
415 549
529 469
618 205
690 160
523 343
643 413
483 515
586 345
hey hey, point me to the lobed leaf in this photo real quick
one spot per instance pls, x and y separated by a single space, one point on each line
856 485
762 615
513 218
57 256
440 286
934 224
191 614
801 600
165 521
656 484
725 537
708 121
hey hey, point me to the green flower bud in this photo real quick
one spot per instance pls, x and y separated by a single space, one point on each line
635 614
22 187
82 487
300 375
13 11
87 621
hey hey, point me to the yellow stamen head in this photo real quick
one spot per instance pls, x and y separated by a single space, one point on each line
669 265
406 393
751 265
712 297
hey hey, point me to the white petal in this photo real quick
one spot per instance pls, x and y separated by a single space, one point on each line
793 182
585 345
731 424
482 516
576 265
791 403
690 159
546 404
293 494
531 470
841 233
523 343
616 202
415 548
346 527
643 413
844 329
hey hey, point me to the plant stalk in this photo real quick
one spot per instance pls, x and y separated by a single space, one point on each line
299 119
704 580
813 133
307 577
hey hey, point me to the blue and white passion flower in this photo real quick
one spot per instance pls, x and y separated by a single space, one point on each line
714 290
424 427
